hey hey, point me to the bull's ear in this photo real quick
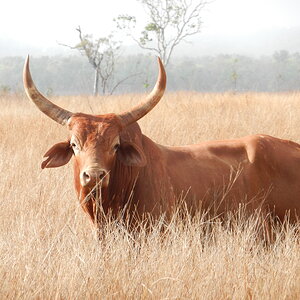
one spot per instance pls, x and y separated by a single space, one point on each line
58 155
131 155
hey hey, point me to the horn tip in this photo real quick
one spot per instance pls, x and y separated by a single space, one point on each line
26 73
162 72
160 64
158 59
27 60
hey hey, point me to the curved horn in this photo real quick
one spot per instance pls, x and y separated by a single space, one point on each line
152 99
53 111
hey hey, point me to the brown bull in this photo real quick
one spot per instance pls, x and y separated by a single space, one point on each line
127 171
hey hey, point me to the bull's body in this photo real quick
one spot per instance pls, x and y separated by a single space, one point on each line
259 171
118 169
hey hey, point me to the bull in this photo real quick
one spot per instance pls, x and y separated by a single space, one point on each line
114 162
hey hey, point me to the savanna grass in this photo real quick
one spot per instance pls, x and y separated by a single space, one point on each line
50 250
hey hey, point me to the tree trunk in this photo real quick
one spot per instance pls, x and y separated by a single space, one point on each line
104 87
96 83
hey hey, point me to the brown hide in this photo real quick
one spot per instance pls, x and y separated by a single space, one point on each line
259 171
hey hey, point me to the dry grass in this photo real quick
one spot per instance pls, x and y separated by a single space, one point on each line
49 250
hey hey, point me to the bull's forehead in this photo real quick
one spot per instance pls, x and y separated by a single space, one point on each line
94 128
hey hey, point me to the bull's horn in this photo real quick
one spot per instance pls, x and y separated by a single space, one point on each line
152 99
53 111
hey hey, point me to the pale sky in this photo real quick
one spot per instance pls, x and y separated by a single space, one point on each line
45 23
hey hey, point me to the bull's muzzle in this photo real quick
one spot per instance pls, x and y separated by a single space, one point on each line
92 177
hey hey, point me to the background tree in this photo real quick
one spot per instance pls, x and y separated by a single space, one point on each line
281 58
101 54
72 75
171 22
234 74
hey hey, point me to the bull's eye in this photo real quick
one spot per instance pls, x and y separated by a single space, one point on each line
74 147
116 147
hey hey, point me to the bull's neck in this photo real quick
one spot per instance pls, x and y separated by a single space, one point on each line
118 196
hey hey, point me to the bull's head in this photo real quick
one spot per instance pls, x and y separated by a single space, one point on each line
95 141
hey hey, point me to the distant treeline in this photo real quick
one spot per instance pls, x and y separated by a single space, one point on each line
61 75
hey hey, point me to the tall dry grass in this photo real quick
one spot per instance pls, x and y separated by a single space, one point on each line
49 249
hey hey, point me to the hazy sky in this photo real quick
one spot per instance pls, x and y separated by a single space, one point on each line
45 23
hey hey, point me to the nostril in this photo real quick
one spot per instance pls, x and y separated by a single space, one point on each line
102 174
86 177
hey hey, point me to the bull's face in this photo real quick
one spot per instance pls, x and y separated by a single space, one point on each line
95 142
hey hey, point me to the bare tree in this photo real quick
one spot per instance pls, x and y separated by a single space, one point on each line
171 22
101 54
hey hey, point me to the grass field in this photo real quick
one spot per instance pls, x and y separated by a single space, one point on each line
49 249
